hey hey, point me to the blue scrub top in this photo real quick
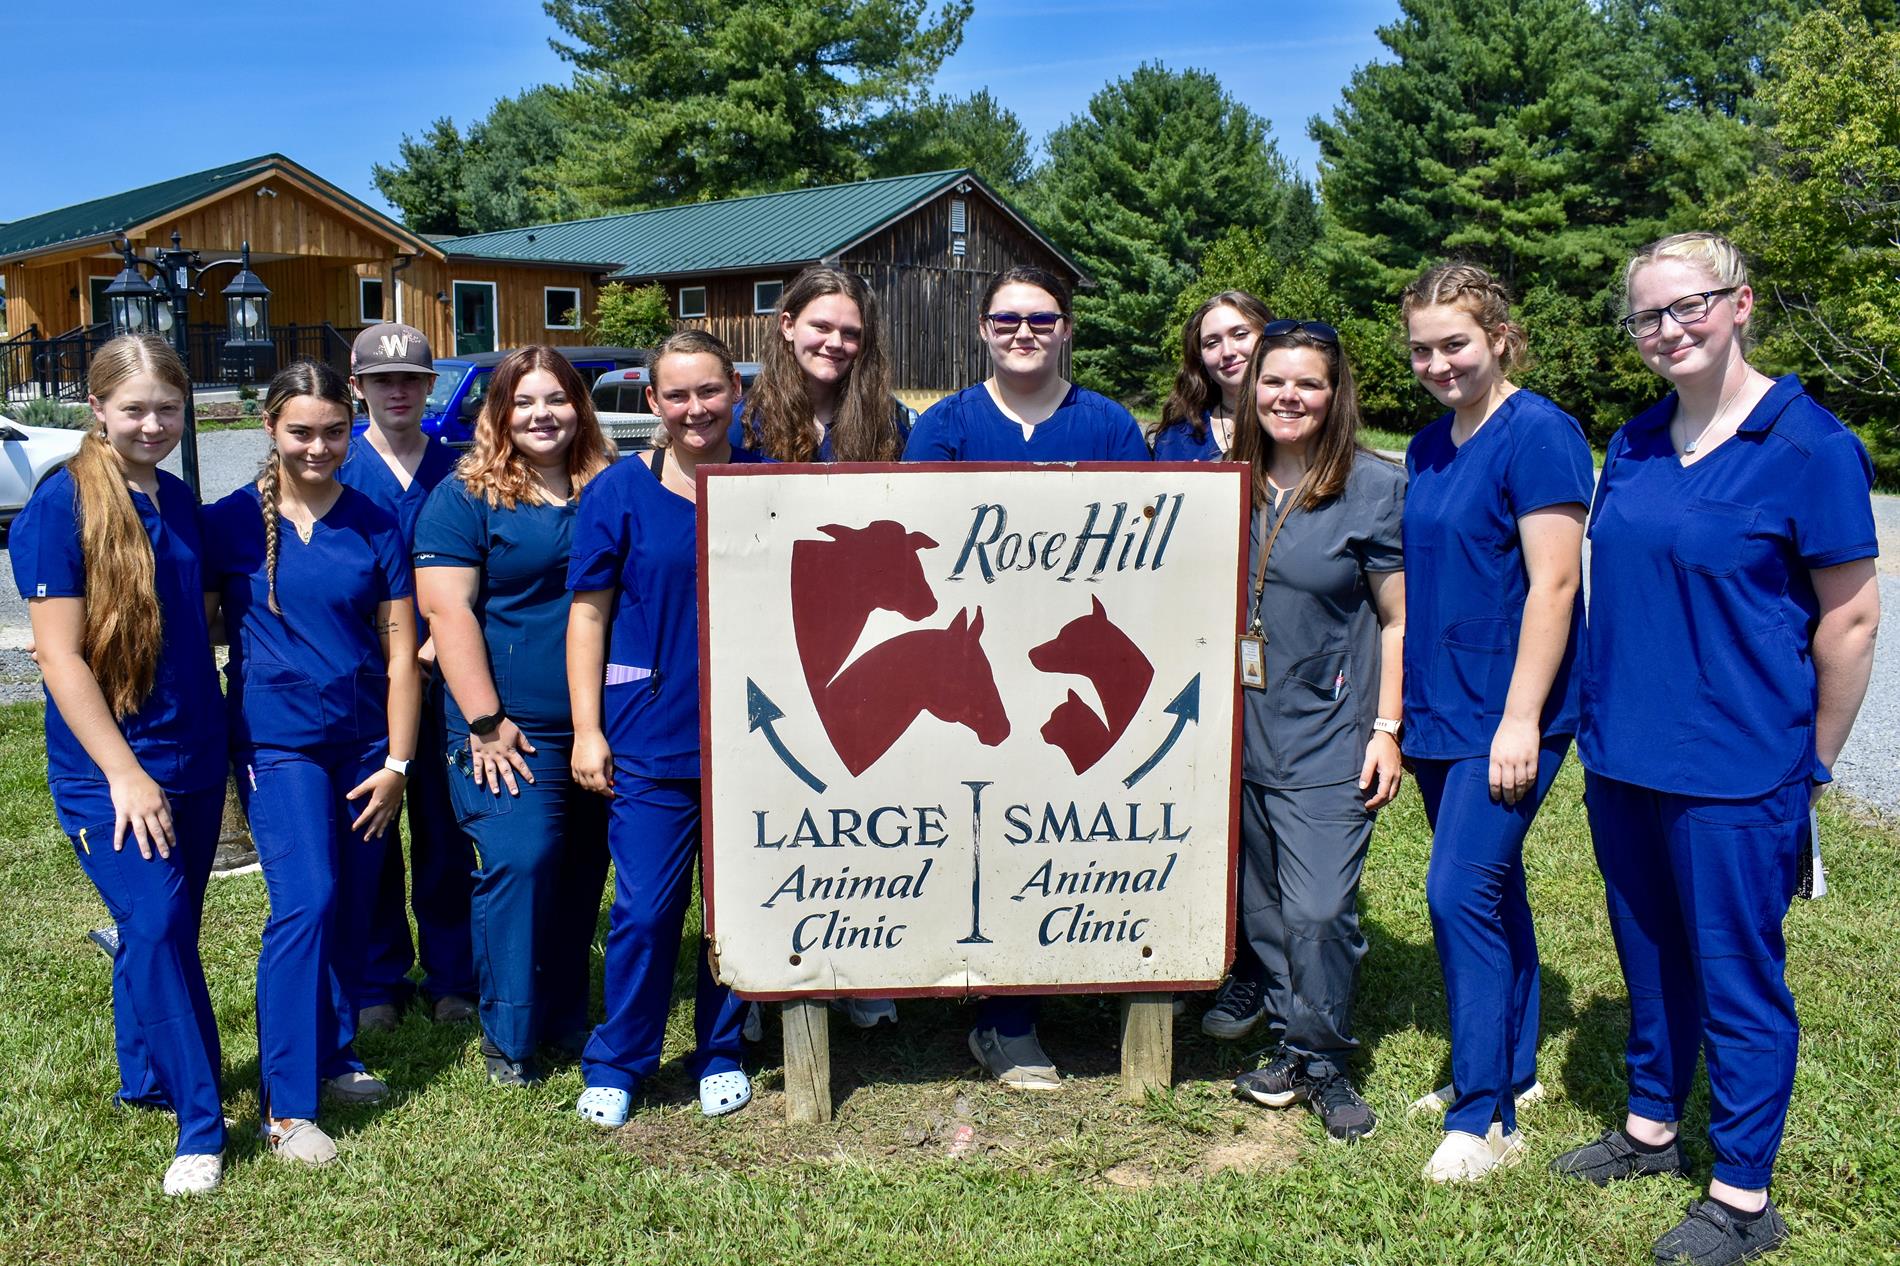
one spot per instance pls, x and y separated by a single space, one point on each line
178 731
902 416
1698 678
314 676
1175 442
365 470
633 536
968 427
521 600
1465 580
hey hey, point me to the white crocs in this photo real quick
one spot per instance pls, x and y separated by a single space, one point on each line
604 1106
1463 1157
1441 1099
194 1172
720 1093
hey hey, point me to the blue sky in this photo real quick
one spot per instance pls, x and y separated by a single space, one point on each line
335 84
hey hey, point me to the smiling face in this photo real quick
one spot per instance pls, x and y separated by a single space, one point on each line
1022 351
394 400
1294 394
1702 350
1452 355
311 435
143 419
825 337
542 421
1226 341
693 394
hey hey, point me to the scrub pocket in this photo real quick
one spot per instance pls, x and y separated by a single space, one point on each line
472 803
1713 535
282 704
1315 709
369 713
1473 664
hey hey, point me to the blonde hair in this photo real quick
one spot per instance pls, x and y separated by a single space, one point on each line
1479 295
124 625
298 379
495 469
1710 253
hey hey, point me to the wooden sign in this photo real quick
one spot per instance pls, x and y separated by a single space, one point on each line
970 728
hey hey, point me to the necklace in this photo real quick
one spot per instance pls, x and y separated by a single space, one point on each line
1708 426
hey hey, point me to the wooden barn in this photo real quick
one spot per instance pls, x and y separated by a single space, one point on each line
927 244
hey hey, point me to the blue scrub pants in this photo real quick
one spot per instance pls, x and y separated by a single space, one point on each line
1697 890
541 862
319 877
440 883
653 834
1481 924
166 1034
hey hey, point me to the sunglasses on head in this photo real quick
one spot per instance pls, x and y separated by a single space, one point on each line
1010 322
1317 329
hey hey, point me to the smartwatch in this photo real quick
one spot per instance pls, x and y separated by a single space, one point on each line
485 727
395 766
1385 725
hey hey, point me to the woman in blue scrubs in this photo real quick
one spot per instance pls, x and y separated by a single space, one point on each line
1494 505
1731 628
1026 411
492 547
823 393
322 696
107 554
1197 423
1320 707
633 682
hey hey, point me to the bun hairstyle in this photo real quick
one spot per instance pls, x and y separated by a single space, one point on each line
1712 253
124 628
494 468
1480 295
1336 446
1029 275
1194 391
688 342
294 381
778 412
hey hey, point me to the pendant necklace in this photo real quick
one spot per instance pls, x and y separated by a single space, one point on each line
1690 447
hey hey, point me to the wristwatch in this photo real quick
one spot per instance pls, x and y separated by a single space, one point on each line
1385 725
483 727
395 766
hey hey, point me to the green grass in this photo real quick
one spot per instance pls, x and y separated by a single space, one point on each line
924 1161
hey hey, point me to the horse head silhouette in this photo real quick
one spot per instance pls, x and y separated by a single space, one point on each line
940 671
1093 646
837 584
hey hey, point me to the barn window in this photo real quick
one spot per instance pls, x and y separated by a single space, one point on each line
959 216
765 295
369 299
692 301
563 307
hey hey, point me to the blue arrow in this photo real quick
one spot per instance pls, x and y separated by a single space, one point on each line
1186 707
760 712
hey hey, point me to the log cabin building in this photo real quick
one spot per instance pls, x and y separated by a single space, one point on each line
927 244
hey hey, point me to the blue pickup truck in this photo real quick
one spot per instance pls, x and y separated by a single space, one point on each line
461 382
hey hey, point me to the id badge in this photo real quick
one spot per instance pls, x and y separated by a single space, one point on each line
1253 661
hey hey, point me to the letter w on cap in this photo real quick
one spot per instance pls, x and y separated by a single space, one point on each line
395 346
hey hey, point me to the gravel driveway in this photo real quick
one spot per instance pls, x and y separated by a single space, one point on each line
1870 767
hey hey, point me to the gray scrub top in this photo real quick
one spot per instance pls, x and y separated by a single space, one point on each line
1310 726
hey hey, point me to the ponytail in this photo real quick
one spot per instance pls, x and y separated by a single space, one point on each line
269 487
297 379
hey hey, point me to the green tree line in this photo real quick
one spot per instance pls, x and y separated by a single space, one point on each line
1544 139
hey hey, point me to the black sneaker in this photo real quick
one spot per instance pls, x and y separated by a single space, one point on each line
1278 1082
503 1071
1613 1156
1713 1236
1237 1008
1338 1106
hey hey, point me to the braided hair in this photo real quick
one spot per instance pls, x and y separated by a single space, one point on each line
295 380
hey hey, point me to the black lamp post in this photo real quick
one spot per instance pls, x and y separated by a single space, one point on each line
158 306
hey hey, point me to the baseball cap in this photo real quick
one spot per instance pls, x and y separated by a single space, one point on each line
390 348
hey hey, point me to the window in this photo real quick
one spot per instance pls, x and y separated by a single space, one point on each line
369 299
563 304
692 301
765 295
959 216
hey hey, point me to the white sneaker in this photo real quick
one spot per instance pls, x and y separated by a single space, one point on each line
1018 1062
1463 1157
356 1086
1441 1099
867 1013
193 1172
296 1139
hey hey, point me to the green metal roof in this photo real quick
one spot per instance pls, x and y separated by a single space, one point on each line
110 216
793 227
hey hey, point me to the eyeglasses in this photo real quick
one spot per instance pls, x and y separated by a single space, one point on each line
1317 329
1010 322
1688 310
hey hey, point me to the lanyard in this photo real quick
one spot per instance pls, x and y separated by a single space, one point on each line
1266 552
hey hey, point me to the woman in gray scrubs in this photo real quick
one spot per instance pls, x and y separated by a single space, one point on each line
1320 667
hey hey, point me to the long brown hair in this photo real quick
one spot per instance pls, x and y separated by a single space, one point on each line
123 631
494 468
778 413
298 379
1194 389
1336 446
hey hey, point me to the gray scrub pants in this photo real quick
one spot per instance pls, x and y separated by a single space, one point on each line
1302 852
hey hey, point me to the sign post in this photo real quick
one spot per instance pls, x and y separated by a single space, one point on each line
970 730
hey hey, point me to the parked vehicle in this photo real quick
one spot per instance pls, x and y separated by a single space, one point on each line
620 401
462 381
29 454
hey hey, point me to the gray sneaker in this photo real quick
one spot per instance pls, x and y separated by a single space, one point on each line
356 1086
1017 1062
1614 1157
1347 1117
452 1008
295 1139
1278 1083
867 1013
1712 1236
1237 1008
380 1018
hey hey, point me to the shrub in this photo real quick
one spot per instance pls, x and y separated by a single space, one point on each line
47 411
631 317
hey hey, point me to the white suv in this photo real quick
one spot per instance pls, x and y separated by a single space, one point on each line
29 454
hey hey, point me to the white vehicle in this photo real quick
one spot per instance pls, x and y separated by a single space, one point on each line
620 403
29 454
